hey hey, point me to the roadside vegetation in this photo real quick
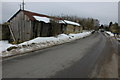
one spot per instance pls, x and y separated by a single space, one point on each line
86 23
115 29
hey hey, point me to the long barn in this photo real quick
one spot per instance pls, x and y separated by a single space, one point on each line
26 25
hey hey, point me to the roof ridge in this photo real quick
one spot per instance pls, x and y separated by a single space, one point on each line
34 13
42 15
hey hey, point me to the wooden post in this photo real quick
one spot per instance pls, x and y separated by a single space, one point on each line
20 6
23 5
12 33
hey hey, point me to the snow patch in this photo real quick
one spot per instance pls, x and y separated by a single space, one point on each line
47 20
44 19
108 32
39 43
118 39
69 22
4 45
73 23
61 21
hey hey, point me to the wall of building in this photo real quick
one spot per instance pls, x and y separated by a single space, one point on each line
77 29
4 32
24 29
36 28
45 30
81 29
73 29
21 27
70 29
56 28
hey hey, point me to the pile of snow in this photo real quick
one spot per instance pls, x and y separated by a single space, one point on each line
47 20
111 34
118 39
4 45
39 43
44 19
39 40
61 21
80 35
73 23
59 39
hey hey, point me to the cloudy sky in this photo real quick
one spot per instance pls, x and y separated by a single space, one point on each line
103 11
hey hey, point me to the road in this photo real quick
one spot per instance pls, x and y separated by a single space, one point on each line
76 59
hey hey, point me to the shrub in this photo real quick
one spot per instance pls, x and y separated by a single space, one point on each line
11 48
24 45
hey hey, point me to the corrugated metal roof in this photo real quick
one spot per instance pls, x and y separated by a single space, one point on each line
31 14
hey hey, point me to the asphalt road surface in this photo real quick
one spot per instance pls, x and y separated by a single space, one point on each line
76 59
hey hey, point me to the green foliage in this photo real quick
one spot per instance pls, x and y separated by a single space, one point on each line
106 28
110 24
114 28
90 24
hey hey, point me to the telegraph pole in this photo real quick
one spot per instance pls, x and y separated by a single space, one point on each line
20 6
23 19
23 5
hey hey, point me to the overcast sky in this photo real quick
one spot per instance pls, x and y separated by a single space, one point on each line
103 11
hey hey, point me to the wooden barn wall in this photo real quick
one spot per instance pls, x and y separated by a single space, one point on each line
21 26
70 29
45 30
73 29
39 29
77 29
56 28
36 29
63 28
81 29
4 32
59 29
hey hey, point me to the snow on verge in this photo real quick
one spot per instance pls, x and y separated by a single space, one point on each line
38 43
108 32
111 34
4 45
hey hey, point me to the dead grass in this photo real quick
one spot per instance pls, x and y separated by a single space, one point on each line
11 48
